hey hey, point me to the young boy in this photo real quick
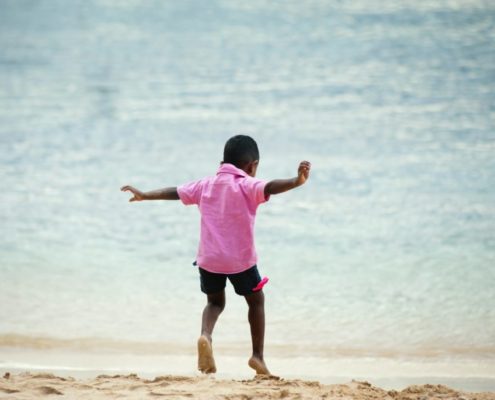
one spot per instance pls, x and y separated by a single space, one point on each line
227 203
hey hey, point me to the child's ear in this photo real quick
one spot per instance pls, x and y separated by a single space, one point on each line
252 167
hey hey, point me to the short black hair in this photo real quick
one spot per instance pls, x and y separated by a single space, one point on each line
240 150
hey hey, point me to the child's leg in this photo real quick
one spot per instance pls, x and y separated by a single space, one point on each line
213 309
256 316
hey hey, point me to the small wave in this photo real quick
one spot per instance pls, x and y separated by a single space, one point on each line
278 350
89 344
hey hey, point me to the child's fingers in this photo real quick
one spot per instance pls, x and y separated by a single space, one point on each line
304 167
129 189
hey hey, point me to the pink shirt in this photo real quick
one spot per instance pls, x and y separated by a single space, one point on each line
227 203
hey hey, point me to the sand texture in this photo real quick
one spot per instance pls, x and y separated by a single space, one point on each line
36 386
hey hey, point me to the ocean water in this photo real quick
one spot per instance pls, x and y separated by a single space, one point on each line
388 252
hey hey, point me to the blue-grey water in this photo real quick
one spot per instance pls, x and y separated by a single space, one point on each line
388 251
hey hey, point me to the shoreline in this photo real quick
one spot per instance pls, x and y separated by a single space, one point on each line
30 385
86 358
473 375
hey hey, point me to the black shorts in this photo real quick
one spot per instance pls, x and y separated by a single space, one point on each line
244 282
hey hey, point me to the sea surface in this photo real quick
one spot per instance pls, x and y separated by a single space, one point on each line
386 255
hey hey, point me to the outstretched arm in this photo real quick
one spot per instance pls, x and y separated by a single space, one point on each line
169 193
282 185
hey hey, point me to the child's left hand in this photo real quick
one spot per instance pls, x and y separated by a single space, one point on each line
138 195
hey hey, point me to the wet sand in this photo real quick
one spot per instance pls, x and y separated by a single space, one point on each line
41 385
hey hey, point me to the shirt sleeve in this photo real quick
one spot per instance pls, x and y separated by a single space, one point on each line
190 193
255 189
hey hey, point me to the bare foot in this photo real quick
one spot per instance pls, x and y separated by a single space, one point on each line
259 366
206 362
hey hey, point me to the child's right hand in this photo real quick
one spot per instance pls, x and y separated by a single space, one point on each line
303 172
138 195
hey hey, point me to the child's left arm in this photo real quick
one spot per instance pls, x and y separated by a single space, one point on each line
168 193
282 185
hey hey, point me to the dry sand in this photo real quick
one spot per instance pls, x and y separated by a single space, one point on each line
35 386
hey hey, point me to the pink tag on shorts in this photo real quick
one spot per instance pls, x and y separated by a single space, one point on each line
260 285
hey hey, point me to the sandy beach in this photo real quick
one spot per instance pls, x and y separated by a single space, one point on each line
39 385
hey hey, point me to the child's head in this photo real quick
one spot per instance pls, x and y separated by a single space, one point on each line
242 151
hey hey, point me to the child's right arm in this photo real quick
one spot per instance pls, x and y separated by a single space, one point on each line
282 185
169 193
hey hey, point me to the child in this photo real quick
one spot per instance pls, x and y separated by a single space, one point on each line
227 203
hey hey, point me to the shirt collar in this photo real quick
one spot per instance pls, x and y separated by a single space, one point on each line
226 168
